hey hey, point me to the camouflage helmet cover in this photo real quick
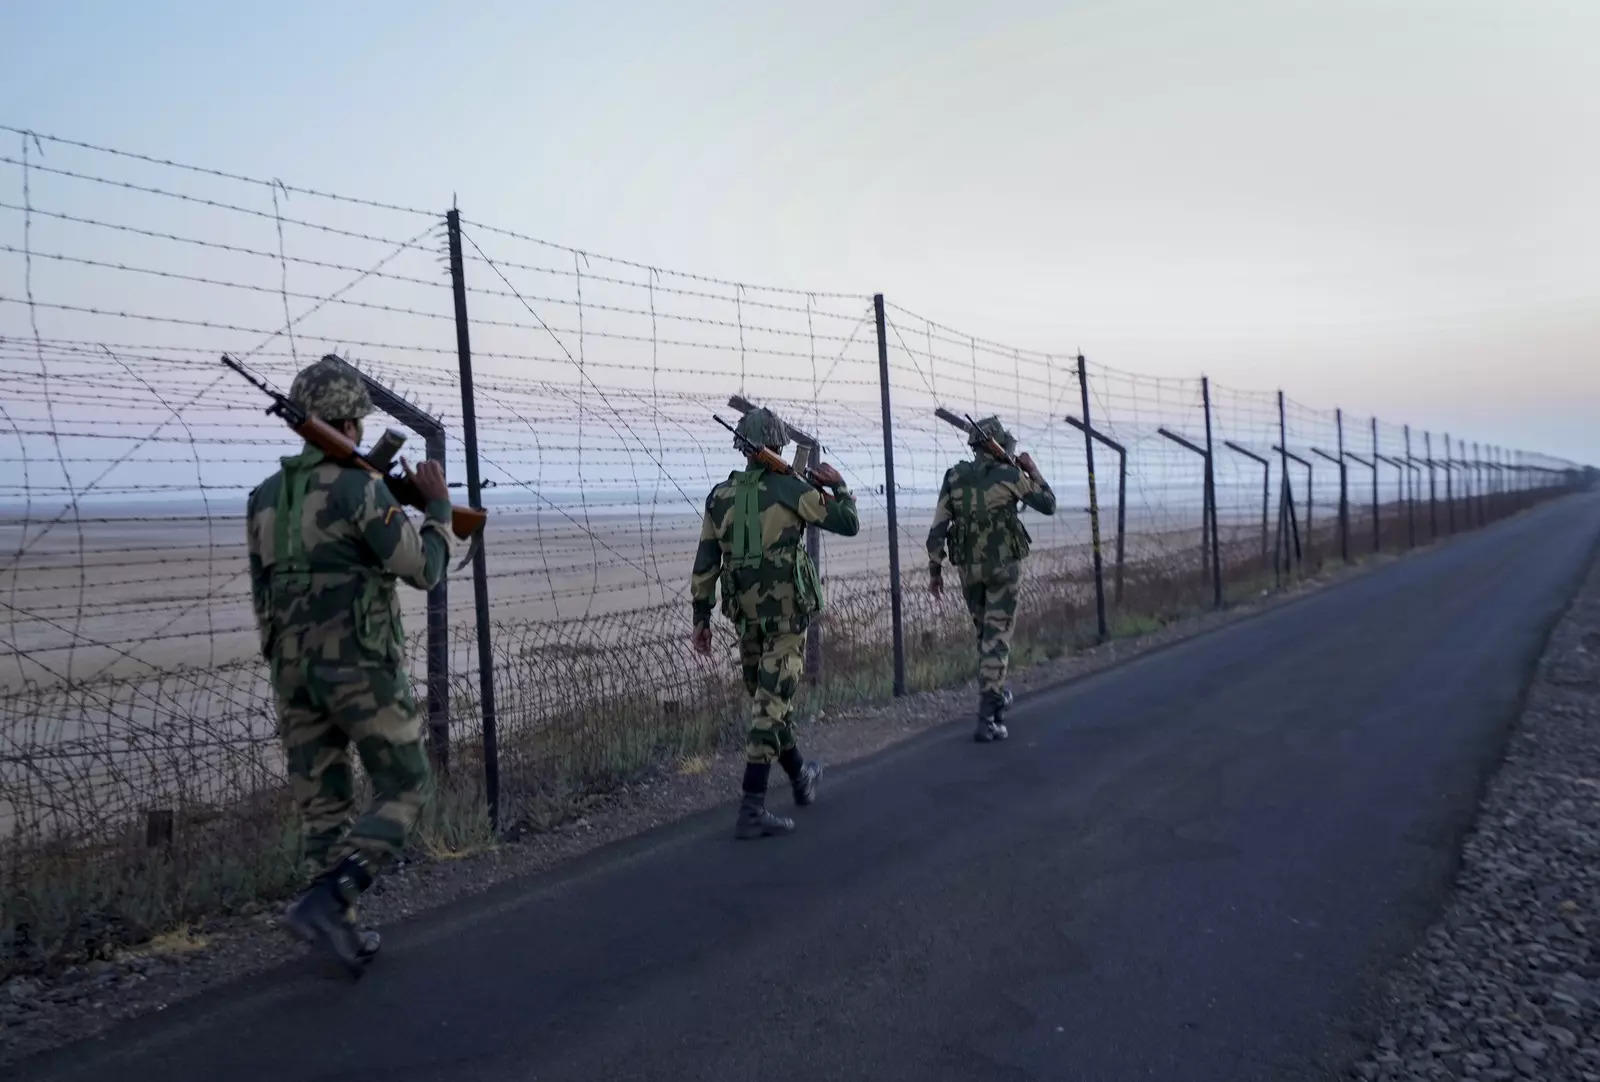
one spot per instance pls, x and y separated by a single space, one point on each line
763 428
991 426
332 390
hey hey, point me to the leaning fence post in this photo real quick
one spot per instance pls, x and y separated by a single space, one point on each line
1377 524
1201 451
1408 493
1344 489
1122 499
1433 488
1211 497
1122 515
1266 491
1094 504
813 662
1449 486
480 567
439 639
898 628
1288 491
419 420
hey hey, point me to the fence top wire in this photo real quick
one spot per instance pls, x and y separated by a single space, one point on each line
282 186
648 268
954 336
218 173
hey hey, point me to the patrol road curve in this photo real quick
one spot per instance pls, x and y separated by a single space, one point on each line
1192 867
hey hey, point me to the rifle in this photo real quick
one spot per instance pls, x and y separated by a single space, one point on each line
970 427
768 457
465 522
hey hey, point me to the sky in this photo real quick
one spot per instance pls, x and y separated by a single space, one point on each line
1382 205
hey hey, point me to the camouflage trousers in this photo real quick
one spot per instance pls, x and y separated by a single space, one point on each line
322 710
991 596
772 663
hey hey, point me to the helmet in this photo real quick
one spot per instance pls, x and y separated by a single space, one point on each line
991 426
331 390
763 428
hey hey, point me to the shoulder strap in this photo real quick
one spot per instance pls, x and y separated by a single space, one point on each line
289 540
745 543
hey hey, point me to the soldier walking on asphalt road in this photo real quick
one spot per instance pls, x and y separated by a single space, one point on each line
976 523
750 547
327 542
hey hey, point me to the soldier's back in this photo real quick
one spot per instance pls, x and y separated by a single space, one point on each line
329 598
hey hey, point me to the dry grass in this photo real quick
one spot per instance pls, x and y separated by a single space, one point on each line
580 717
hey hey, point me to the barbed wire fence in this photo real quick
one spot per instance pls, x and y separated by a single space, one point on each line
137 728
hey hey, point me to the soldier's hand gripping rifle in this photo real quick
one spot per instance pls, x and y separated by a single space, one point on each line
768 457
465 522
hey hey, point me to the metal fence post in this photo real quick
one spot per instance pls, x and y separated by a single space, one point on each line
813 662
1122 513
439 641
1477 484
1410 496
1122 500
1286 504
438 638
1433 488
1266 493
1377 517
1205 516
1094 504
480 566
898 628
1211 497
1344 490
1449 487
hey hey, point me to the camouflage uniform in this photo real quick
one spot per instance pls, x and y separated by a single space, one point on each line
326 544
976 523
751 546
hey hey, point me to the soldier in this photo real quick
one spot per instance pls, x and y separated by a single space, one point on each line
327 543
750 546
976 522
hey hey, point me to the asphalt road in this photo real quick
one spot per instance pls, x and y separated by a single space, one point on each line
1192 867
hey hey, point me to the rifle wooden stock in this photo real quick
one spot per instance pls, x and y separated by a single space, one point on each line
464 521
773 461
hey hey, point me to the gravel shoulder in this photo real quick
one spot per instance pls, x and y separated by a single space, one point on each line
1506 984
39 1013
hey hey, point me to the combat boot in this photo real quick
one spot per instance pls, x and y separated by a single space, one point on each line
985 732
991 716
755 821
803 775
805 783
318 918
369 939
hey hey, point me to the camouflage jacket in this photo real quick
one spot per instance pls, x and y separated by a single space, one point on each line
327 543
975 522
750 546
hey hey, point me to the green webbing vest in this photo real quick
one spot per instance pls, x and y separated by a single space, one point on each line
747 553
292 569
971 517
